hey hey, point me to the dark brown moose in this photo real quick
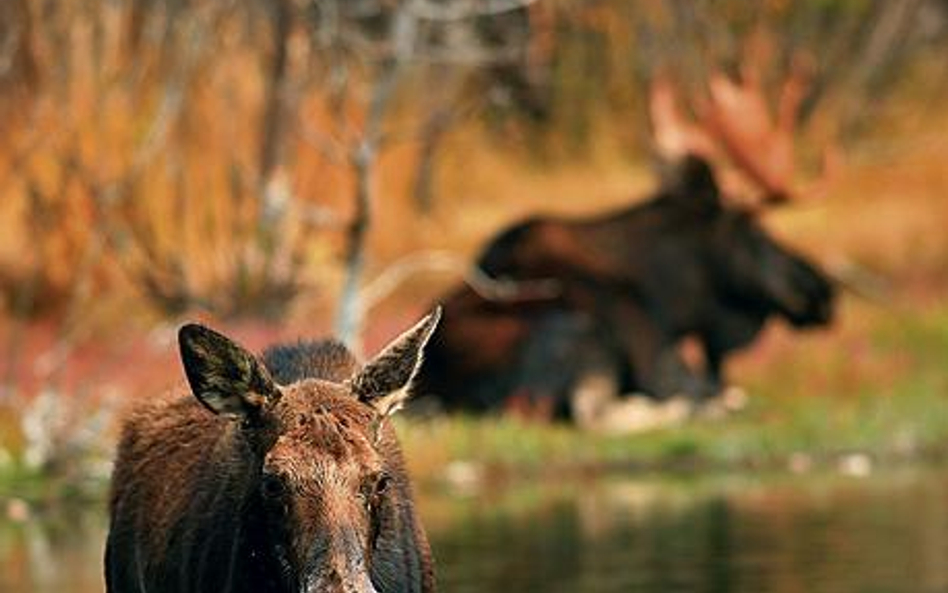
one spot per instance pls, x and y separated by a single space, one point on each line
636 282
633 283
281 474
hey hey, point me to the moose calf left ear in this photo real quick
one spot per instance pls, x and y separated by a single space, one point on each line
385 382
223 376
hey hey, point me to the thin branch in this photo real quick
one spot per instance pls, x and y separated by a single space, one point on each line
487 287
325 144
468 56
461 10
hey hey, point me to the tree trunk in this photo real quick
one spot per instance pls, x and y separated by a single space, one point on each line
349 314
431 136
274 116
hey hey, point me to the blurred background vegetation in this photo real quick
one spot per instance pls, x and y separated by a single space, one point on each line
260 164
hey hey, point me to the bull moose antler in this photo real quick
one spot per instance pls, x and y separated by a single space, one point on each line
674 134
735 121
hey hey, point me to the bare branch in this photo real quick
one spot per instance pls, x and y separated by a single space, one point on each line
487 287
460 10
325 144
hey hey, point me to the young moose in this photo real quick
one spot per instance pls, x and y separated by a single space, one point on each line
286 476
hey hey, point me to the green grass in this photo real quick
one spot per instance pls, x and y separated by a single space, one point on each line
46 488
765 436
879 388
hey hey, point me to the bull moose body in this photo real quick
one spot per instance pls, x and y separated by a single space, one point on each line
281 475
632 284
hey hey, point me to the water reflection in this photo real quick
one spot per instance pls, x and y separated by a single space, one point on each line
60 552
827 535
822 535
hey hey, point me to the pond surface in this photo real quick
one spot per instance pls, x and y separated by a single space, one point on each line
886 533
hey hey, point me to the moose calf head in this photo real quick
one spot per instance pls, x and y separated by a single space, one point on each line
325 488
329 479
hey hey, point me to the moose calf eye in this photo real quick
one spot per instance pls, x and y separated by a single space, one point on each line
272 486
382 484
374 487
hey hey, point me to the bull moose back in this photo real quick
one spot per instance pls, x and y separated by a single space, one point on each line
631 285
281 474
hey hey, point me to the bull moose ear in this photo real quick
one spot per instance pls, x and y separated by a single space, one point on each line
223 376
693 185
385 381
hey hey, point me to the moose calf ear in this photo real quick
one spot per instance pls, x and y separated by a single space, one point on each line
223 376
385 381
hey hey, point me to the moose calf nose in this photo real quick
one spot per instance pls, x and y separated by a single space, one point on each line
336 584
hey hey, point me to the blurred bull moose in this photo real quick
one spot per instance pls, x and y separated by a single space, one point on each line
632 284
281 474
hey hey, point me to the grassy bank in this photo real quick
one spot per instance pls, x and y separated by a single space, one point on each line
770 436
868 394
874 394
871 393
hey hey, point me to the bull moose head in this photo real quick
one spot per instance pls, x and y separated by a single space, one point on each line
748 270
327 491
758 275
736 124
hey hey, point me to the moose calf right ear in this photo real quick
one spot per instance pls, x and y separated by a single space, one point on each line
385 381
223 376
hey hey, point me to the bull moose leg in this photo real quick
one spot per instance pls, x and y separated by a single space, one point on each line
714 366
560 357
676 377
656 363
650 354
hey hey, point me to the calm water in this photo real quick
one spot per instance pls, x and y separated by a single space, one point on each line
885 533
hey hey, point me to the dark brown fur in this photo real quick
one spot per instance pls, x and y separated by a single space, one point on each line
633 283
305 493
